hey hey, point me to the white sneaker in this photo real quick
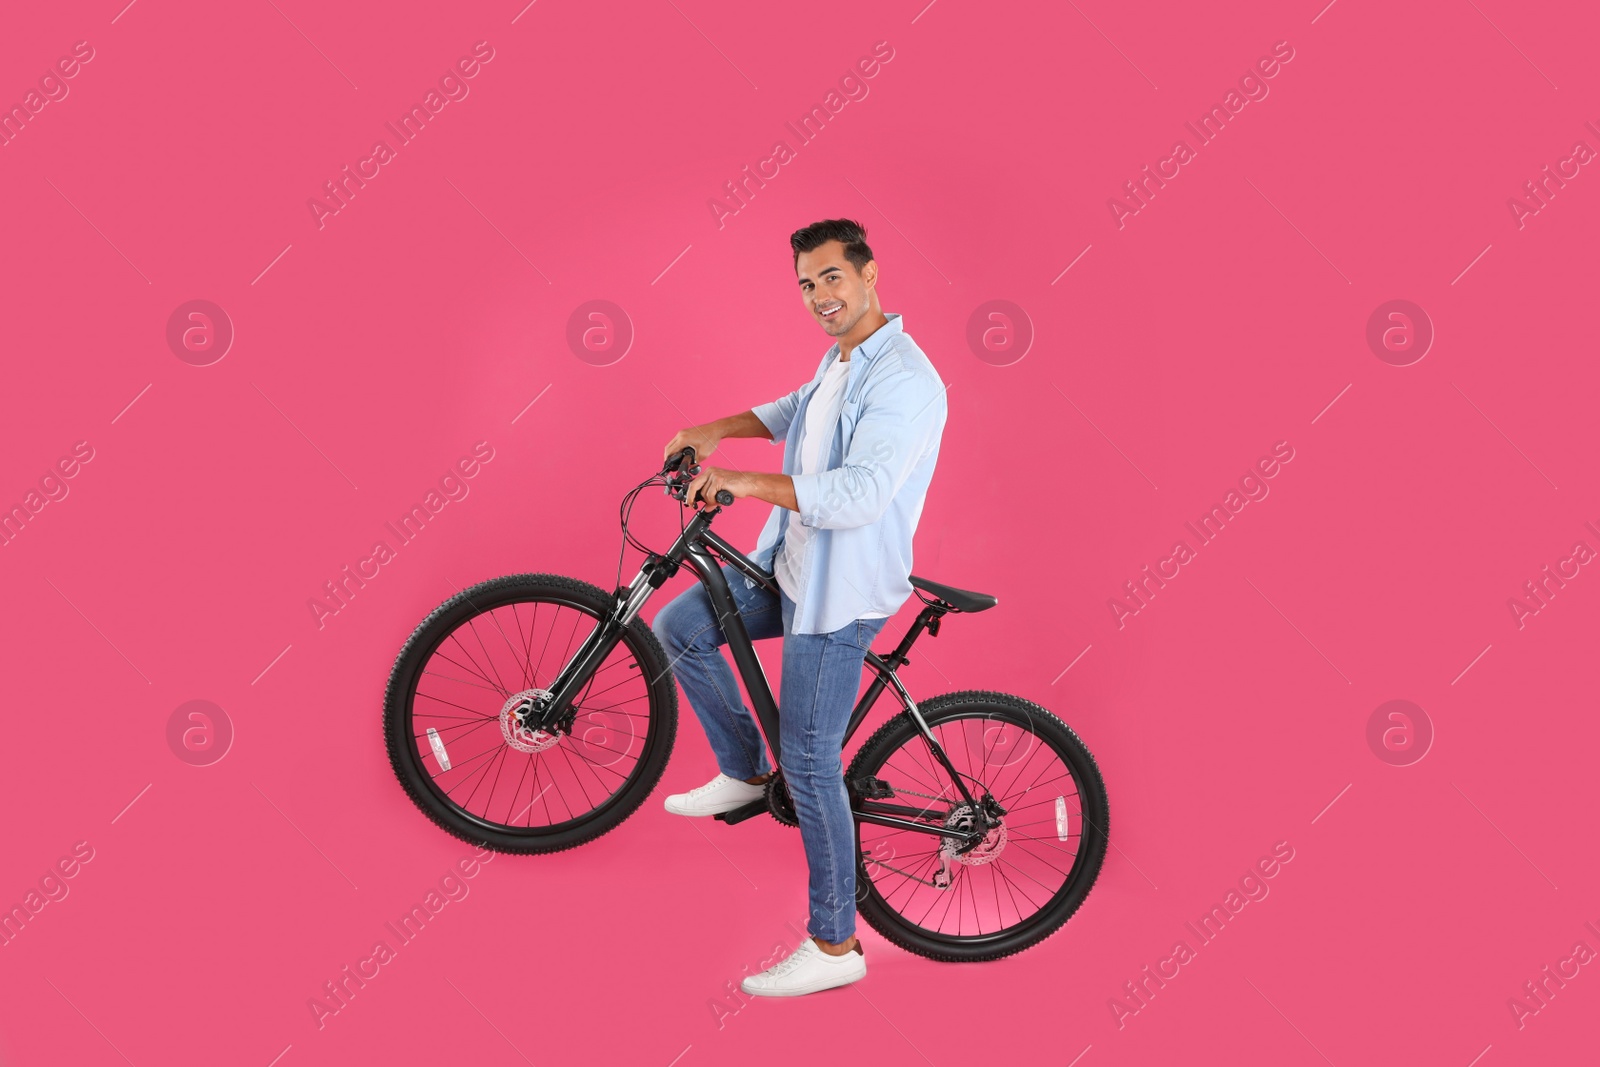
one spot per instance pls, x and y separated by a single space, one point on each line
808 970
715 797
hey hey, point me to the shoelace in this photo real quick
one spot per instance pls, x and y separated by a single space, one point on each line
715 783
799 956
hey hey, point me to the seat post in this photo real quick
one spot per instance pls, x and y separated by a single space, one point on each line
927 619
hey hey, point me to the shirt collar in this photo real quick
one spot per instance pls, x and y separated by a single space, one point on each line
874 343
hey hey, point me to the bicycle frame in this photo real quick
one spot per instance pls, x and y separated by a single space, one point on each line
697 548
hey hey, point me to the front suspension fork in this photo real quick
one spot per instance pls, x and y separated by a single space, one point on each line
625 604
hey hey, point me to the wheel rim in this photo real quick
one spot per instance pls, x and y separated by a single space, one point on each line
474 753
1019 870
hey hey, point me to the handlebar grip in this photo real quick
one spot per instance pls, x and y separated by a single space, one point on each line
724 497
679 460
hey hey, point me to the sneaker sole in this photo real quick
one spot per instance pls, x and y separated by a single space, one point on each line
707 812
801 991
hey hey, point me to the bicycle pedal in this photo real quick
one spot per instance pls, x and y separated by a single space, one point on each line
748 811
873 788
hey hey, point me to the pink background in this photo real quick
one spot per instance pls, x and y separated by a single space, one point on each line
1228 715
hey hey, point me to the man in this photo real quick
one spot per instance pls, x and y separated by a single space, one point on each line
860 442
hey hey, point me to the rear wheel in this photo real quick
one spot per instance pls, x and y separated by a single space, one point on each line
453 717
1040 797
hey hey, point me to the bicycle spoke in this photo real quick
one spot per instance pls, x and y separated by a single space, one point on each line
499 754
516 616
1021 770
518 790
472 624
533 672
566 755
1037 781
538 769
1037 803
567 655
1049 841
1012 889
453 704
459 681
445 729
498 772
545 648
481 672
494 617
593 765
471 670
608 688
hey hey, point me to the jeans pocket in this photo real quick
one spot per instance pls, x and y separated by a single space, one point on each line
866 631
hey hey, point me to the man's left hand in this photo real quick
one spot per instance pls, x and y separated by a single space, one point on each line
710 479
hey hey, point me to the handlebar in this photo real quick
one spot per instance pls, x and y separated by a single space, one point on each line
680 470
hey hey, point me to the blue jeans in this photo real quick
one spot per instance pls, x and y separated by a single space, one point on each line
821 681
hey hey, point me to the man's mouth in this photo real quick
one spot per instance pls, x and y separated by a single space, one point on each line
827 312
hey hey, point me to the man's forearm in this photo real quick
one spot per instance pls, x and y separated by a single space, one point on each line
773 488
744 424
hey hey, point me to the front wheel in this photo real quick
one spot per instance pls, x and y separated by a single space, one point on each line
1039 799
455 716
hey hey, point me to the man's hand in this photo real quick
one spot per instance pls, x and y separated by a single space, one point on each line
703 439
710 479
773 488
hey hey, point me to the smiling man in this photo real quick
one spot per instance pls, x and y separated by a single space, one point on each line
860 442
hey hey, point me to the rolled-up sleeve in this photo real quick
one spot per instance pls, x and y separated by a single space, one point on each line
901 420
777 415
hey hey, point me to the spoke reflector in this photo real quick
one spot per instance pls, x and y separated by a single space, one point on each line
1061 818
444 757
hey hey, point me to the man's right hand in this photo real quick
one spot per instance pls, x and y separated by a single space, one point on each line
703 439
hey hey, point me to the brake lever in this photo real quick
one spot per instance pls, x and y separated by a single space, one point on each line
678 480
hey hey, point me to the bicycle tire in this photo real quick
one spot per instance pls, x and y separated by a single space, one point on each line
1094 811
406 757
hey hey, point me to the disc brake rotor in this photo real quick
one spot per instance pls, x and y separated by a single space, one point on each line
513 722
963 820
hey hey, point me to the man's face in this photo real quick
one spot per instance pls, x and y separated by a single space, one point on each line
832 289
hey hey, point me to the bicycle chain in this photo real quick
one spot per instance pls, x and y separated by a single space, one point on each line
927 796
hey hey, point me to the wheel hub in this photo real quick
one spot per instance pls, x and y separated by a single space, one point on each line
964 820
514 717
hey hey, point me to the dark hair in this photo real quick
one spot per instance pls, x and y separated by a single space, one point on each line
850 233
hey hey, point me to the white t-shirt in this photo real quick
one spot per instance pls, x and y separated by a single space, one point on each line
822 416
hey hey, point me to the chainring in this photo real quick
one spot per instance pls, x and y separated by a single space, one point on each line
780 803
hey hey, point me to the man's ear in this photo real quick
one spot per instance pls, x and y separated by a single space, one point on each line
869 273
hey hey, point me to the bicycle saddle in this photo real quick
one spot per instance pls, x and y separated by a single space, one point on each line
964 600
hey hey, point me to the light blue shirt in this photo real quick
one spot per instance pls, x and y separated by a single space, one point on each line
865 503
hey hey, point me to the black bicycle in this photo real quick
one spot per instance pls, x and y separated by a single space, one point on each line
535 712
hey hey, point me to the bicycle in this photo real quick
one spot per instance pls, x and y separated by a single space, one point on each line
981 818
